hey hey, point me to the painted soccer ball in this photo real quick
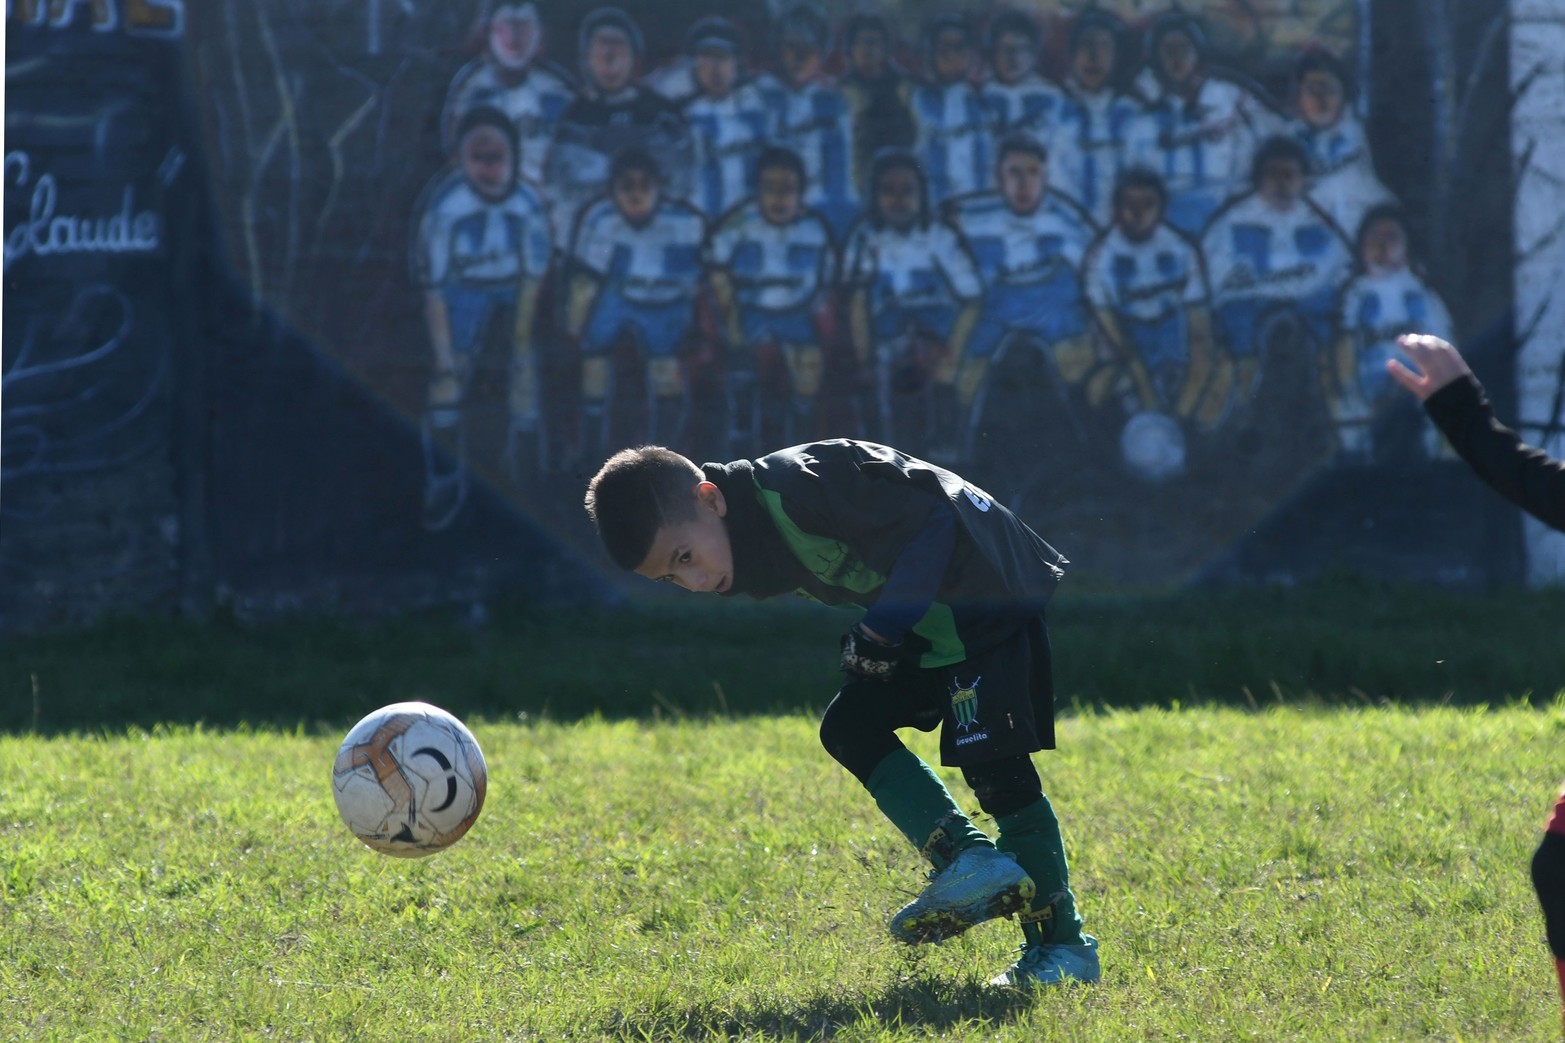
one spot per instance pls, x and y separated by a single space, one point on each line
1153 446
409 780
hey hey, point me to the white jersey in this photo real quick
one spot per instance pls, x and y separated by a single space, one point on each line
729 135
464 238
1206 145
773 267
1031 104
1147 282
1097 135
658 263
1015 251
815 122
534 106
1343 181
955 138
925 267
1379 307
1253 250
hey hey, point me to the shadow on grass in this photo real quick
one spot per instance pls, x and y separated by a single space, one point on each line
924 1002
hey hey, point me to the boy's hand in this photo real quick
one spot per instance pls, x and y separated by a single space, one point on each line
1438 363
866 656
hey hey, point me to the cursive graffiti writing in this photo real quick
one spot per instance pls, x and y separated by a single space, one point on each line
46 230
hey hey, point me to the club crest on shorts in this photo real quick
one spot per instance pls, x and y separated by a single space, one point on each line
964 702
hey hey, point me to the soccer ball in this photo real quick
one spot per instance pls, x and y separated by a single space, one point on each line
1153 446
409 780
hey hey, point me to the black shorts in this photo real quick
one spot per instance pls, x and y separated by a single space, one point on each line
988 707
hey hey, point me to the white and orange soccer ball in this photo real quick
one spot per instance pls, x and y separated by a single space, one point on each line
409 780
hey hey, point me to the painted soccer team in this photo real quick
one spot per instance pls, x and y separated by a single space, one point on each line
1144 241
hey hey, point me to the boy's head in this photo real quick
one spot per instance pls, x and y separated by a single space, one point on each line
1094 49
1320 88
950 44
899 199
635 181
611 45
1023 172
514 35
659 517
1140 198
867 38
713 44
1014 39
487 153
1175 49
802 38
1278 172
779 185
1383 239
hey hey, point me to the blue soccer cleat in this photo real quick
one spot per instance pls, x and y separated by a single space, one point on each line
980 884
1044 965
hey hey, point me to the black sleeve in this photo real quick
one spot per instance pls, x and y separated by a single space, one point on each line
1528 477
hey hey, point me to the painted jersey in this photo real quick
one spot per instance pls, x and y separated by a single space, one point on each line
923 268
830 520
1031 104
1203 148
656 264
534 106
1253 250
815 122
466 239
1150 287
1378 308
955 138
773 268
729 134
1343 177
1097 136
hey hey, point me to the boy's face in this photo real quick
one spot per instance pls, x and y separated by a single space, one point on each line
1013 57
1024 178
1093 59
1282 182
867 54
1385 247
801 59
513 36
950 55
1176 55
695 555
486 162
1137 212
777 192
611 61
896 196
716 69
1320 98
635 195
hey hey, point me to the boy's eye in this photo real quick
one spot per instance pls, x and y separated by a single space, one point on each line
684 559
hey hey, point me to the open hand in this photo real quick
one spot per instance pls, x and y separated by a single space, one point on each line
1438 364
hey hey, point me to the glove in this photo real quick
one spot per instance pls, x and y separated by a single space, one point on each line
863 656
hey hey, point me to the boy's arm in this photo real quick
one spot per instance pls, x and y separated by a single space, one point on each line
872 647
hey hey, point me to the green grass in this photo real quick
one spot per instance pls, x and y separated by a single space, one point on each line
1346 641
1288 873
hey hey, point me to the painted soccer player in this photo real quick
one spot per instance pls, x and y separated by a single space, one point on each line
954 127
611 114
1276 263
1208 125
636 275
1342 171
1100 130
812 117
1147 288
952 587
730 120
1385 299
877 89
1015 92
482 248
511 77
771 265
914 299
1028 243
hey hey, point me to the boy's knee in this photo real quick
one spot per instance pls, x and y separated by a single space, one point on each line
1006 786
854 738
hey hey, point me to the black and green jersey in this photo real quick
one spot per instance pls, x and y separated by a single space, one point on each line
830 520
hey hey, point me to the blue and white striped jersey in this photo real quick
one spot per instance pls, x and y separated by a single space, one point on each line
1147 282
1016 251
658 263
1344 181
1378 307
534 106
464 238
955 138
773 267
816 123
926 267
1097 135
1030 104
1255 251
1203 147
729 134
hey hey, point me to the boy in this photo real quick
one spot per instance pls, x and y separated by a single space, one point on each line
1016 94
953 587
955 127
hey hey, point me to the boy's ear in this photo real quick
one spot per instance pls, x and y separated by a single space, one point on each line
711 497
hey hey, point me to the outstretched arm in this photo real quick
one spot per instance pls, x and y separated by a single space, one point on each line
1456 402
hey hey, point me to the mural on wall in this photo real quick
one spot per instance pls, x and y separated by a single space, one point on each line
1098 255
89 509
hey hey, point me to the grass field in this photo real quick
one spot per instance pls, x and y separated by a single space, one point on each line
1286 873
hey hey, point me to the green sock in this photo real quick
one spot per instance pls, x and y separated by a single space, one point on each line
1032 836
911 795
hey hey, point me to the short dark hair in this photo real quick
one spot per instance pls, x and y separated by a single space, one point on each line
780 157
1140 177
635 494
1015 22
1279 146
635 158
896 157
1021 141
